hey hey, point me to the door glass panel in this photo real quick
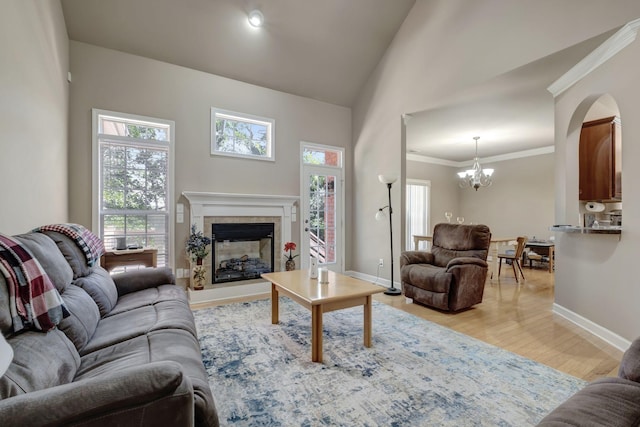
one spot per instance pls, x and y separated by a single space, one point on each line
322 218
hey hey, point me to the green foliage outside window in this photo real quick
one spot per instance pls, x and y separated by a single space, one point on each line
233 136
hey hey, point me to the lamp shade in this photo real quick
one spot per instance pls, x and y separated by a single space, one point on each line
6 355
387 179
380 215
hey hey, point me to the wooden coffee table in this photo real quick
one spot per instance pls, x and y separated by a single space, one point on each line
341 292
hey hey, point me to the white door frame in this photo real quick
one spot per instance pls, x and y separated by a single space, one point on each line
338 171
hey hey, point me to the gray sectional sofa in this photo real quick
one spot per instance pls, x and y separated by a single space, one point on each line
127 354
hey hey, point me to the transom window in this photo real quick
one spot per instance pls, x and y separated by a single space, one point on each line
242 135
134 180
316 155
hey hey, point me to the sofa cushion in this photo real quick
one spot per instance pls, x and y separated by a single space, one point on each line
162 345
427 277
130 324
83 319
40 360
99 285
49 257
71 252
150 296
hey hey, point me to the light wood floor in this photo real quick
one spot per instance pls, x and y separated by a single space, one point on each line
518 318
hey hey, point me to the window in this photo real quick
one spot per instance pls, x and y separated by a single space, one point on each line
133 158
316 155
417 222
242 135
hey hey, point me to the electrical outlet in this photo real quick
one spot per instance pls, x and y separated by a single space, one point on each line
179 273
381 262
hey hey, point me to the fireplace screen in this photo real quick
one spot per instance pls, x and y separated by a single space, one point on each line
241 251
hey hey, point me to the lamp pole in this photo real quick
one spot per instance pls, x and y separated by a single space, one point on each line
392 290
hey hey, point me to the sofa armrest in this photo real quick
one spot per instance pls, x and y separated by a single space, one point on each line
630 364
602 403
153 394
132 281
415 257
466 261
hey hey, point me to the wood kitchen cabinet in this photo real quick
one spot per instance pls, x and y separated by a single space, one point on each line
600 165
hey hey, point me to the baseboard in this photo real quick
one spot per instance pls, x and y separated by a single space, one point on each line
229 292
604 334
368 278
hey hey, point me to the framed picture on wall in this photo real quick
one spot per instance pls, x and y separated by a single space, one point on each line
589 219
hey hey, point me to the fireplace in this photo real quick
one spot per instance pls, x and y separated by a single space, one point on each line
241 251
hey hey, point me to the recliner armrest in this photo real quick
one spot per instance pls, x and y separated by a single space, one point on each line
132 281
416 257
466 261
153 394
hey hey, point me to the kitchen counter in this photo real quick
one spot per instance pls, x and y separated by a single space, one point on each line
603 229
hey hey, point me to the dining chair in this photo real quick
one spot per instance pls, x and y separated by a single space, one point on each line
515 257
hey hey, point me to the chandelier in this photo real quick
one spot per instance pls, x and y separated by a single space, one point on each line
476 177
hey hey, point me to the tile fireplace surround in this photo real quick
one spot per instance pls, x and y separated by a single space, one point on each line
208 208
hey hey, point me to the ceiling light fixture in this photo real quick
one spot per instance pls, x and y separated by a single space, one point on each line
476 177
256 18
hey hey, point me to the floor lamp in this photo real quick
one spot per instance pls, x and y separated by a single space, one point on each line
389 180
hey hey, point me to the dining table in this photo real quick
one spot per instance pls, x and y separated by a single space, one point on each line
494 249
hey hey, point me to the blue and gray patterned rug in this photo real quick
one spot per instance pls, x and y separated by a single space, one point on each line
417 373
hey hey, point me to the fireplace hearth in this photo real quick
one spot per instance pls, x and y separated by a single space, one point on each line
241 251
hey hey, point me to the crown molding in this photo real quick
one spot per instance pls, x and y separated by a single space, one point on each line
614 44
500 158
432 160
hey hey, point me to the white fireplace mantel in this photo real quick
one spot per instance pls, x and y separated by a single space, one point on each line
203 204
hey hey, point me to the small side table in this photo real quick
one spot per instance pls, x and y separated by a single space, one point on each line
120 258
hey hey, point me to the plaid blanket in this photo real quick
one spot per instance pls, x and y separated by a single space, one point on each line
34 302
90 244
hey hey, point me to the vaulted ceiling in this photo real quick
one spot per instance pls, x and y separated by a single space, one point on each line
319 49
326 50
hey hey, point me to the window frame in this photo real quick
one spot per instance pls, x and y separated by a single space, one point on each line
339 151
427 217
246 118
170 144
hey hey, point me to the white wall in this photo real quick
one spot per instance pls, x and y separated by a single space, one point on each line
596 278
33 114
116 81
520 202
443 47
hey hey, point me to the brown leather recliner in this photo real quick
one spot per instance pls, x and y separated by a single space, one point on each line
451 277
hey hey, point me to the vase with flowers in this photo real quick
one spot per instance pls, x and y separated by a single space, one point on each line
198 249
290 264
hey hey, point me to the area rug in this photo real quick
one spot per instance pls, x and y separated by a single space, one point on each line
416 373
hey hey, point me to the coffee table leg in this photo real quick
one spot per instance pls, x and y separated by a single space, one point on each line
316 333
367 322
274 305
